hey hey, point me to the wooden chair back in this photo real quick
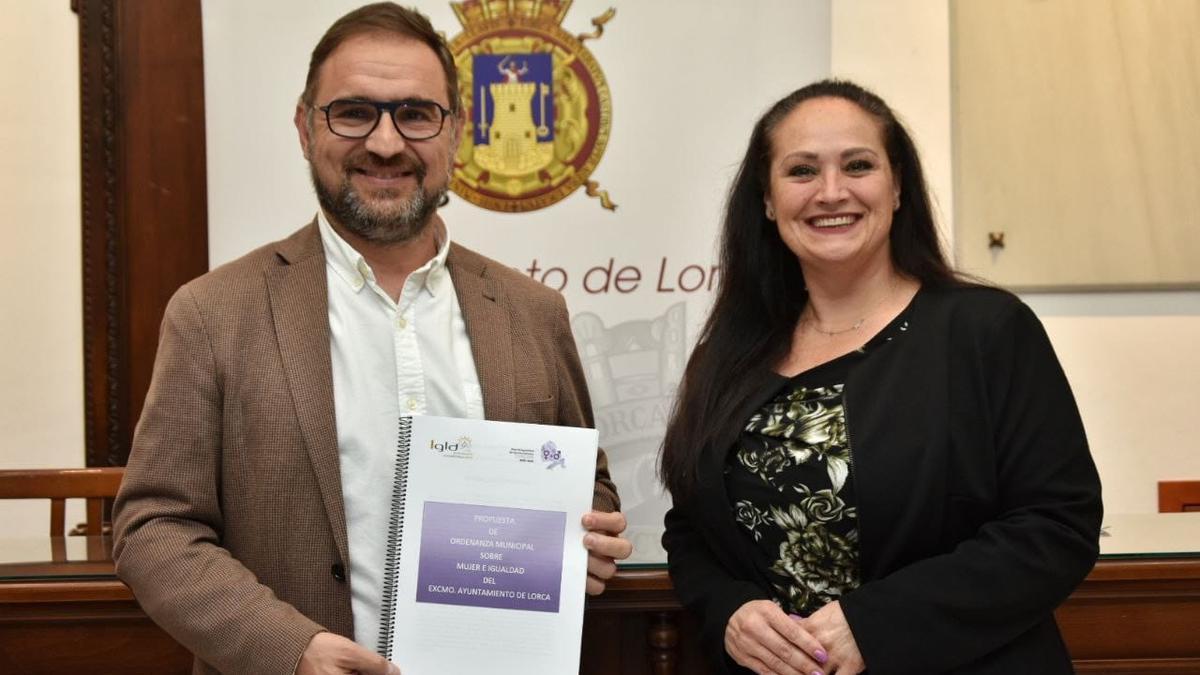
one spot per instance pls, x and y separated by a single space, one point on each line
1178 495
58 485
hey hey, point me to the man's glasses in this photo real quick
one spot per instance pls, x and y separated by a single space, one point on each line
415 120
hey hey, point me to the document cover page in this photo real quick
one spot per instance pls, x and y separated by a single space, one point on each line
486 568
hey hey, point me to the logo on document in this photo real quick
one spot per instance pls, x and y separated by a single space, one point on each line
458 449
552 456
537 105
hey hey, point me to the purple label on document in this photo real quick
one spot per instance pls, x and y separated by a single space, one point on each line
489 556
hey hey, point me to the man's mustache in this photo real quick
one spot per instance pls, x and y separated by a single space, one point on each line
370 160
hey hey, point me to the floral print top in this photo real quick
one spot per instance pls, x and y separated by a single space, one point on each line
790 480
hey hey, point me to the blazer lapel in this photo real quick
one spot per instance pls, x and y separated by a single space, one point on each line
300 309
485 312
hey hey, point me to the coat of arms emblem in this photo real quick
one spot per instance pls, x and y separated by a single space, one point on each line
537 105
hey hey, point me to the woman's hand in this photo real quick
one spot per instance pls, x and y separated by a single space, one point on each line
762 638
828 625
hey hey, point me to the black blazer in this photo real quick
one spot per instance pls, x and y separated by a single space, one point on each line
978 500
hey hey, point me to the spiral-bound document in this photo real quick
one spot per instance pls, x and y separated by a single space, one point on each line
486 570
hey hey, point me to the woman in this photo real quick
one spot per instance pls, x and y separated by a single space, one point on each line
874 463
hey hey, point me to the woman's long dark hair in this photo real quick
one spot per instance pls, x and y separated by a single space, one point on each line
762 291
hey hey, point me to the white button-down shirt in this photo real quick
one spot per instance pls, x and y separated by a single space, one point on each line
389 358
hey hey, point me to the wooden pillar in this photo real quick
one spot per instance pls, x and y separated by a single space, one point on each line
663 636
145 215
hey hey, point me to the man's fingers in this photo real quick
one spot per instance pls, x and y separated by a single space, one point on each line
377 665
594 586
370 663
602 538
608 546
385 668
331 653
604 547
612 523
601 568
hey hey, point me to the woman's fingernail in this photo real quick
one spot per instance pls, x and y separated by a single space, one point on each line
795 616
822 657
817 672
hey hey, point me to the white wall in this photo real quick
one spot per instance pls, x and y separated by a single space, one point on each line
900 49
41 337
1134 377
1131 357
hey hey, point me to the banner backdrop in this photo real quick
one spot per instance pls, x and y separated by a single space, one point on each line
645 104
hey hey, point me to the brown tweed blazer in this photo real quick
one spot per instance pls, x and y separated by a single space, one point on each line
230 526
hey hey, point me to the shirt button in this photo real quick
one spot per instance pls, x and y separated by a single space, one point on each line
412 404
402 323
338 572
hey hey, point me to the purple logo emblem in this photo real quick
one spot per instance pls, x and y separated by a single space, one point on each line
553 456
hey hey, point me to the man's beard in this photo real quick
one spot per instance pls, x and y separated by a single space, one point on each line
395 222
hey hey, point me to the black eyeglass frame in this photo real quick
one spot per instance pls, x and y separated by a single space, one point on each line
390 109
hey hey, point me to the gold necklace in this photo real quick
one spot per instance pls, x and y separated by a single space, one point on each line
811 319
832 333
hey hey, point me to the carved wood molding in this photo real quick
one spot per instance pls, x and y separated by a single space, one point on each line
98 159
144 214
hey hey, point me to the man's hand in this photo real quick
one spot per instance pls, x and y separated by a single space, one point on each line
759 636
330 654
605 547
829 625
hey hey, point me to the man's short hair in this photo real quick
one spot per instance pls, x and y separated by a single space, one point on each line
383 17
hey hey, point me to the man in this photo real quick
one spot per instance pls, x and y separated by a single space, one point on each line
250 522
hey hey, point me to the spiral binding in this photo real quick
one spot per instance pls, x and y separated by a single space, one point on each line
391 565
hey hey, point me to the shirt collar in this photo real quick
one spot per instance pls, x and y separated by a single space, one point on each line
352 267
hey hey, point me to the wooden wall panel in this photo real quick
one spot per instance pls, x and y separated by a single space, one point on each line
145 213
1076 136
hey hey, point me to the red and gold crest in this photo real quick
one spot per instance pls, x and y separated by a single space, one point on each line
537 105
